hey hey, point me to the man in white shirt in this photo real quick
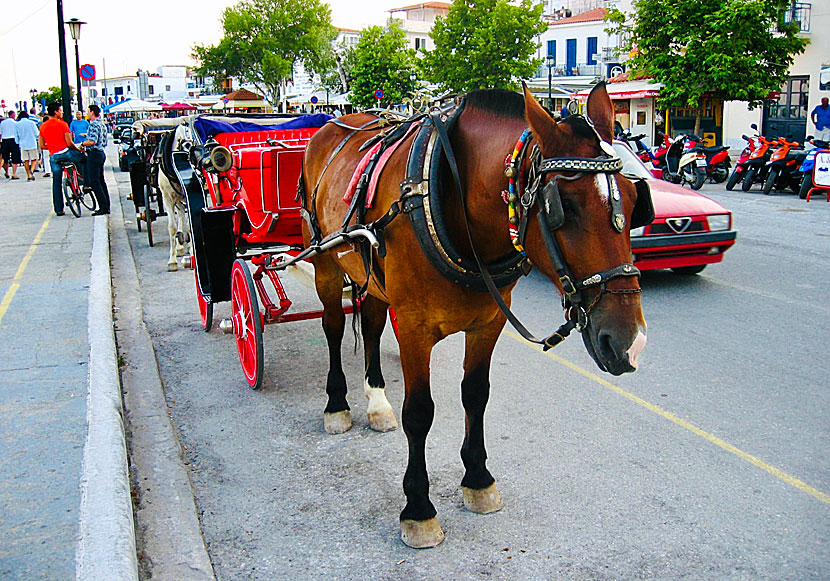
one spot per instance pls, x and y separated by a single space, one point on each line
8 146
27 134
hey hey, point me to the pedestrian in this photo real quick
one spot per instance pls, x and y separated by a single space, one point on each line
56 137
8 146
566 109
79 127
821 119
94 144
27 134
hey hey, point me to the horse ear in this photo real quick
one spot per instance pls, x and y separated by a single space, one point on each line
538 118
601 111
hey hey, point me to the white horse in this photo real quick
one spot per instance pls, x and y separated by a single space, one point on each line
174 205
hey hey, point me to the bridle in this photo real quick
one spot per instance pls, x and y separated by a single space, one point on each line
551 217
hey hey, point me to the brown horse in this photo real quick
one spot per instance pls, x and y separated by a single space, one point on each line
581 244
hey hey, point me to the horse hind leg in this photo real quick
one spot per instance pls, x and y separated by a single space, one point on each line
478 485
182 239
373 320
328 280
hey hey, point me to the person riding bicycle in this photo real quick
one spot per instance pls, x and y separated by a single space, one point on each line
57 138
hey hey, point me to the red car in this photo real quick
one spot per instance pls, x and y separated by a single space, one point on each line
689 230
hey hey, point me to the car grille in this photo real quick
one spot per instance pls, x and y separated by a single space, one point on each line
662 229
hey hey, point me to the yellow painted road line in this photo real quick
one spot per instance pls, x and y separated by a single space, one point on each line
780 474
18 276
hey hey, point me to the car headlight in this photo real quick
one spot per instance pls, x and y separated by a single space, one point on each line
719 221
638 231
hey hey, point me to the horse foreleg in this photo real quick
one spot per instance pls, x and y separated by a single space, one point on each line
478 485
419 527
373 320
328 279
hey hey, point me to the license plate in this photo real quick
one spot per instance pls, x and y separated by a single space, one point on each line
701 162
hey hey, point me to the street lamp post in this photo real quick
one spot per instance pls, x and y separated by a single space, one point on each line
75 31
550 62
66 94
33 92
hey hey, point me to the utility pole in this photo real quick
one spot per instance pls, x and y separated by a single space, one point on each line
66 91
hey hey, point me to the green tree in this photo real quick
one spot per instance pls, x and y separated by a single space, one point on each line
263 39
484 43
725 49
382 61
53 95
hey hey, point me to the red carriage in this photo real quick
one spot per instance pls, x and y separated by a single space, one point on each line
240 179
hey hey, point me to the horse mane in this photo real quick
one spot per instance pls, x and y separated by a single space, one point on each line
580 126
500 102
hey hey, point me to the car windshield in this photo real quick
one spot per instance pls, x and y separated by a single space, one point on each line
632 166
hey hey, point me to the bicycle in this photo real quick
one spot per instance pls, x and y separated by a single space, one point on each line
73 192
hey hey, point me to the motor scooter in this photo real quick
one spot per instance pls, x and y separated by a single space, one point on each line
641 150
782 167
658 155
806 167
740 166
717 159
684 164
755 168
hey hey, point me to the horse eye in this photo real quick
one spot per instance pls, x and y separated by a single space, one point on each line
570 208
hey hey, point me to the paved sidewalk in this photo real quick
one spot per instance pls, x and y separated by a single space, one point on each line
45 330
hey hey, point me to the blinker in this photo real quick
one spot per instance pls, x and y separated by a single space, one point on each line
552 206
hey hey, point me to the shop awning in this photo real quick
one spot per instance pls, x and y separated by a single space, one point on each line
643 89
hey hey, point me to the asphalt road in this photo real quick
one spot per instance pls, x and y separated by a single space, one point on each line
709 462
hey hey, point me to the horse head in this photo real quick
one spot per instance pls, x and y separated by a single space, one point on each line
586 212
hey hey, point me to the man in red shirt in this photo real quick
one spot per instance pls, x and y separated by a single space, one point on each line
56 137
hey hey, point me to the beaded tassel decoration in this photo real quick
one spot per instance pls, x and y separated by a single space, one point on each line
512 172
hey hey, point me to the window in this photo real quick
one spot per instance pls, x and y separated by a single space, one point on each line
128 88
552 50
166 87
592 50
119 91
420 43
151 89
104 92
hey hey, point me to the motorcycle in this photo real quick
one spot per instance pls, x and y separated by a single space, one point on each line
782 167
717 159
740 167
658 156
640 149
755 168
806 167
684 163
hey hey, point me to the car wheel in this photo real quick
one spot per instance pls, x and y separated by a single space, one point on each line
688 270
749 179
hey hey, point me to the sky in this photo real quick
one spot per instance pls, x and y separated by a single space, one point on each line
122 40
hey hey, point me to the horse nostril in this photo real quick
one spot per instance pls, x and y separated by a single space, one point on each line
608 346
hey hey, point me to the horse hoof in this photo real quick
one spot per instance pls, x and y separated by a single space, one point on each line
421 534
383 421
172 267
338 422
482 501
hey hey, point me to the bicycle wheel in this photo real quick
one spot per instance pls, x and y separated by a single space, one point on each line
70 194
88 200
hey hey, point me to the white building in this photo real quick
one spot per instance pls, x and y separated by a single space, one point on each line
417 21
808 82
169 84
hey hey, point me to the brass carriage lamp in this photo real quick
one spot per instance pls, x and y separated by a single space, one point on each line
75 31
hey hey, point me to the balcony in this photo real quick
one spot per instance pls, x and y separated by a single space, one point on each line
561 70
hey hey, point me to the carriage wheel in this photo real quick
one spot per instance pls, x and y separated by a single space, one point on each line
393 318
247 323
205 307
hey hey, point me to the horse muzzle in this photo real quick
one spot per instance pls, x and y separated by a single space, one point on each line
615 351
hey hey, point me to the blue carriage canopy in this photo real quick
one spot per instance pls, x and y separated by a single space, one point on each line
208 126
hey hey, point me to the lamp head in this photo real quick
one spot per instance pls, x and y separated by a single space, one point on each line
75 28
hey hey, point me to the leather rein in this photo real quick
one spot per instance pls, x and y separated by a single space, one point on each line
574 302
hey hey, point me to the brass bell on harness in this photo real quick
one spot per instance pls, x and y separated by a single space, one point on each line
513 220
512 198
510 172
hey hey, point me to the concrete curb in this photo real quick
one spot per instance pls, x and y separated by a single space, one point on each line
106 544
